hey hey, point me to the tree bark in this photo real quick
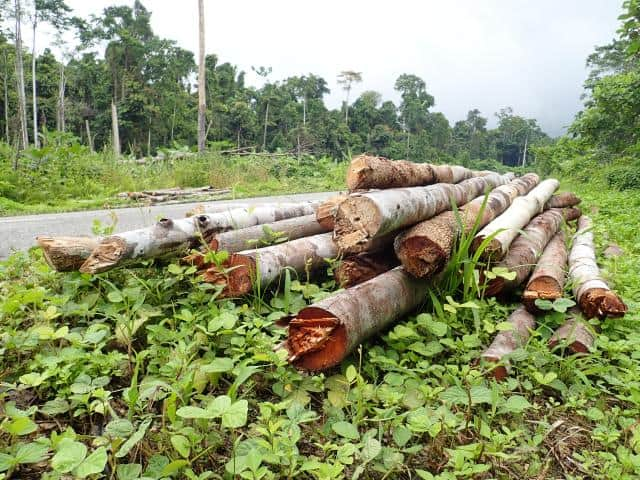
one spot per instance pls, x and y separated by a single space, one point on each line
563 200
548 278
61 114
592 293
264 133
426 248
322 335
507 341
173 237
364 217
22 101
359 268
202 101
34 87
327 211
89 137
506 227
115 129
66 254
578 336
526 250
6 100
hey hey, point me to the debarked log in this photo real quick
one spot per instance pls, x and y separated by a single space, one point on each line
563 200
549 276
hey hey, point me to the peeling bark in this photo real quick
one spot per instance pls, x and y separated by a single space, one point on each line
172 237
322 335
507 226
364 266
508 341
66 254
426 248
548 278
363 217
563 200
526 250
592 293
325 215
575 333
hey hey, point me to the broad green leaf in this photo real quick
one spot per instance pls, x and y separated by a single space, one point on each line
54 407
20 426
115 296
346 430
516 404
133 439
439 329
174 467
70 454
31 453
119 428
370 450
236 415
401 435
504 326
220 364
194 412
219 405
93 464
6 462
181 444
128 471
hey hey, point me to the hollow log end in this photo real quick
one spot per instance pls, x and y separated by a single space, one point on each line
602 303
105 256
421 256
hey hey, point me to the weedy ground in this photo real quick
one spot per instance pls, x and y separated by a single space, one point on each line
144 373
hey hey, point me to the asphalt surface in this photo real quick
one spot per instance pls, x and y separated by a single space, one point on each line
19 233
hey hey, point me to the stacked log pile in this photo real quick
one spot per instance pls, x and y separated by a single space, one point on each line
386 241
169 195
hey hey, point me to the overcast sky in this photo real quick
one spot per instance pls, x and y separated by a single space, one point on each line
486 54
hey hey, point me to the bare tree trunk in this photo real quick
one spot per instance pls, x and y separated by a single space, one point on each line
115 129
89 137
22 101
548 278
65 254
61 114
563 200
507 341
6 99
34 87
364 217
592 293
202 101
264 133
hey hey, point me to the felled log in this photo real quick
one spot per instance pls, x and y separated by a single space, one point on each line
426 248
326 212
506 227
363 217
575 333
548 278
507 341
359 268
172 237
592 293
525 250
65 254
322 335
563 200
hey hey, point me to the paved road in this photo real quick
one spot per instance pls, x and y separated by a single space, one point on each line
19 233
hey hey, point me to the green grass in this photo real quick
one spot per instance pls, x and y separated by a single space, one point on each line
198 392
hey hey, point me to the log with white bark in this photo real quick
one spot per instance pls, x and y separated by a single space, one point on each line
507 341
359 268
426 248
363 217
574 333
264 266
64 253
563 200
504 229
325 215
526 249
321 335
592 293
549 276
173 237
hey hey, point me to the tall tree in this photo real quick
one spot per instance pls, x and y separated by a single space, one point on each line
202 102
22 100
347 78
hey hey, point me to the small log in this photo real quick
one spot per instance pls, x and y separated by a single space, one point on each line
322 335
575 333
426 248
450 173
507 341
359 268
548 278
363 217
325 215
506 227
592 293
526 250
172 237
66 254
563 200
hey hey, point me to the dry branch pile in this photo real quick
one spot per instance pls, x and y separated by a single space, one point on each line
416 216
175 194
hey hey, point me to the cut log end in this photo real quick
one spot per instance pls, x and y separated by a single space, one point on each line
421 256
356 221
602 303
66 254
571 213
236 275
358 171
543 288
562 200
317 340
492 252
495 286
576 334
105 256
360 268
498 372
325 215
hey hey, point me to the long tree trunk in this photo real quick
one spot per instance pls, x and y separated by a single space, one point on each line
89 137
173 237
426 248
321 335
22 101
202 102
364 217
506 227
264 133
526 250
507 341
563 200
34 87
6 99
548 278
326 212
574 333
359 268
115 130
590 290
61 120
65 254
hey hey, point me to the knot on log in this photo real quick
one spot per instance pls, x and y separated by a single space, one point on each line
203 220
165 223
